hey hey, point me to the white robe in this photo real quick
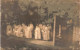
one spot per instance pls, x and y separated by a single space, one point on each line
20 33
25 32
37 33
45 33
15 30
28 31
9 30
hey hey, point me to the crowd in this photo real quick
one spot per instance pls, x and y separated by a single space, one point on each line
27 31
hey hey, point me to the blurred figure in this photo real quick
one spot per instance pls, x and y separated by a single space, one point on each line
41 26
29 29
37 33
31 26
9 30
20 31
50 32
15 30
25 30
46 33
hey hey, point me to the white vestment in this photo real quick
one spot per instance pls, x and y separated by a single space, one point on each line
15 30
37 33
45 33
20 32
9 30
28 31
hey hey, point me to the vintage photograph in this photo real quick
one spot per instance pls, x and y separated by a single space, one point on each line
40 24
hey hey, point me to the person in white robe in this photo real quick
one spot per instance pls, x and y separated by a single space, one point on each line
37 33
14 27
30 29
25 31
20 31
15 30
45 33
41 26
43 30
9 30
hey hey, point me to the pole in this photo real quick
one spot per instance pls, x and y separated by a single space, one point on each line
59 31
54 28
79 21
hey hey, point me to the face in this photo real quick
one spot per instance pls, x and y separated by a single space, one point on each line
43 26
40 25
36 26
19 25
23 24
31 25
14 25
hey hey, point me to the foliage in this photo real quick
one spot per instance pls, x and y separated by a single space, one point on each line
45 9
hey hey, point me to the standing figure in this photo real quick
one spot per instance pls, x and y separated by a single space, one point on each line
9 30
15 30
41 26
20 31
46 33
49 31
14 27
43 30
25 31
28 31
37 33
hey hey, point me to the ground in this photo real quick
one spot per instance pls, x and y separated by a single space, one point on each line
22 43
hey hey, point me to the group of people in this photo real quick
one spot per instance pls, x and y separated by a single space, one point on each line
27 31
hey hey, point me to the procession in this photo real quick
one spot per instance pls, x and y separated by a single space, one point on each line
40 32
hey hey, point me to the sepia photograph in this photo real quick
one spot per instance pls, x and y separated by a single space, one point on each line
39 24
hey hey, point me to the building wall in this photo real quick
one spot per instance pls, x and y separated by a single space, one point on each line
76 34
76 27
